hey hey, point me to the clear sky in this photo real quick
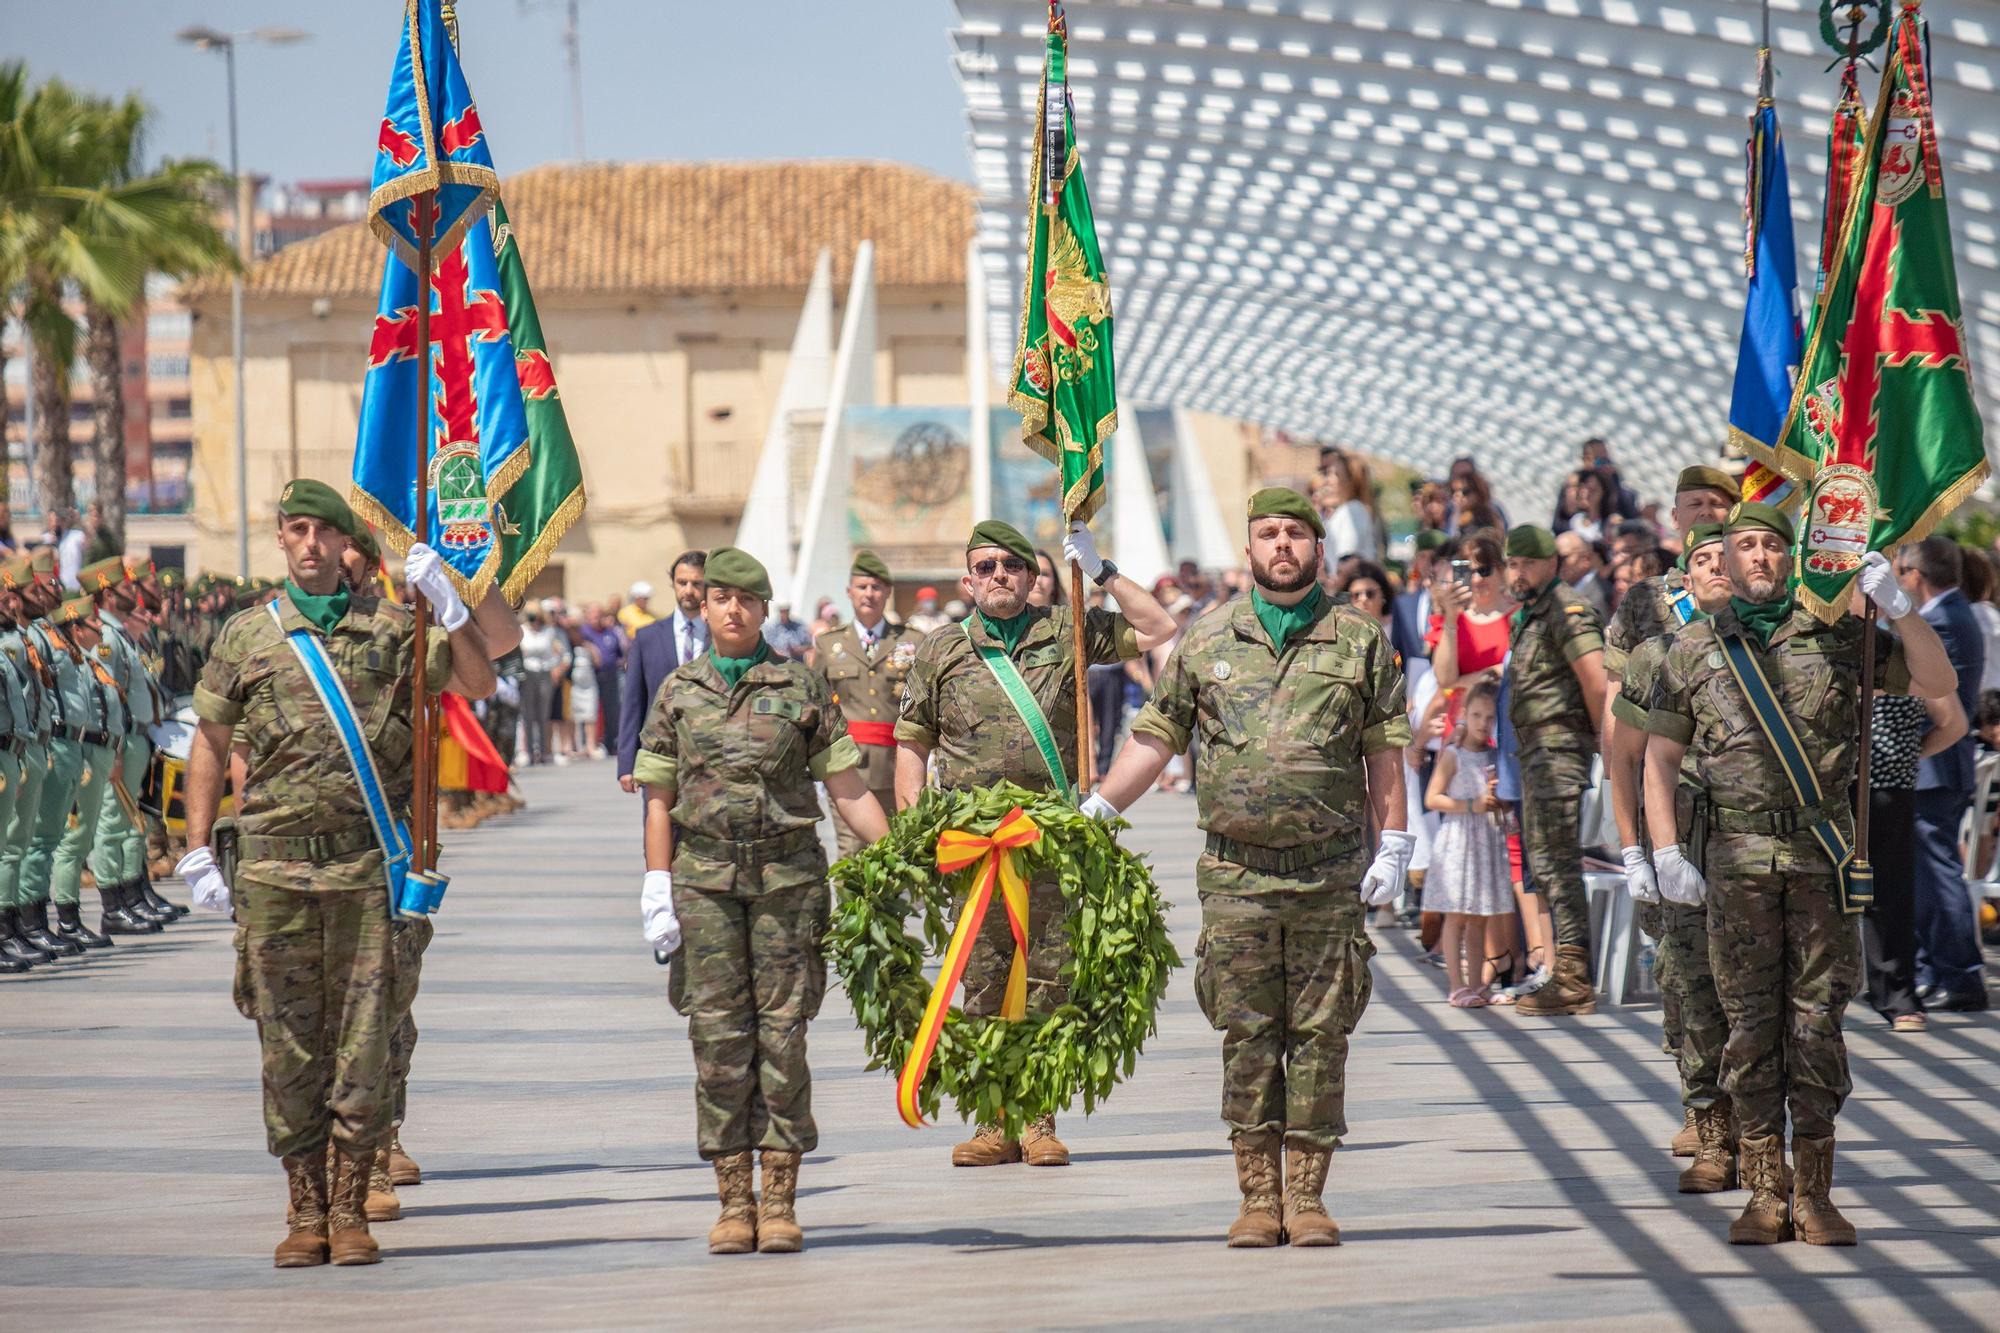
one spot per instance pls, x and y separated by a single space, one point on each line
663 79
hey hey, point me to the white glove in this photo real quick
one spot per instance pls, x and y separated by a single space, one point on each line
1680 882
424 568
1878 580
656 911
1098 808
508 691
1639 881
204 880
1384 879
1081 547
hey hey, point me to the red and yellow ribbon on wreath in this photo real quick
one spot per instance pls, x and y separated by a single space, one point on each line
957 849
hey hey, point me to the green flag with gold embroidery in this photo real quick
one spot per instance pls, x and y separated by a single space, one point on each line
1063 385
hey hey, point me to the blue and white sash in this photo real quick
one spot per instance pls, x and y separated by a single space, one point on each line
390 832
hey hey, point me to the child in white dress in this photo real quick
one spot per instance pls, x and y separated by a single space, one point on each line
1467 880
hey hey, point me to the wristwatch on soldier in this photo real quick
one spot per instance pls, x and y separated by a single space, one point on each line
1105 574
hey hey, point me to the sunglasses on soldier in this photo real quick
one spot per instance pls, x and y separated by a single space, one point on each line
985 569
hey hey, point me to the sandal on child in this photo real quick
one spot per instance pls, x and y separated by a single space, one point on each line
1465 997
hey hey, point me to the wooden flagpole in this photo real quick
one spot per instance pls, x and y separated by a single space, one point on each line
423 796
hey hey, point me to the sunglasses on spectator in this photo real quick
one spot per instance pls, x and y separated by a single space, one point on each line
985 569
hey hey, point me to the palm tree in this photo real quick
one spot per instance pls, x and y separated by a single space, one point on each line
76 213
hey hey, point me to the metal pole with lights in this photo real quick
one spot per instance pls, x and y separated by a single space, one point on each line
210 39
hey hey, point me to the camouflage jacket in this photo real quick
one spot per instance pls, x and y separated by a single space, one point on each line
953 705
300 785
868 686
741 764
1815 670
1283 735
1646 613
1545 699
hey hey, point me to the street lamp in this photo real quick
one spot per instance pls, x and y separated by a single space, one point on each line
210 39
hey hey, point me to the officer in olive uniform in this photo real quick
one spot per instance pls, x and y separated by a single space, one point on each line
21 754
736 882
1699 1028
1555 701
961 707
100 727
1786 956
1299 705
866 661
311 891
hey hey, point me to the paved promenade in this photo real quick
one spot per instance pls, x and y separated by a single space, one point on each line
1502 1172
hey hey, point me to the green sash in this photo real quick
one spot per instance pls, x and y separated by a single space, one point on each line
1023 699
1857 878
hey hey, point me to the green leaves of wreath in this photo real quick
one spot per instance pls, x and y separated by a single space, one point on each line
1000 1072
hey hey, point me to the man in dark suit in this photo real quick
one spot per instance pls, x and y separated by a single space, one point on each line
658 650
1410 614
1949 975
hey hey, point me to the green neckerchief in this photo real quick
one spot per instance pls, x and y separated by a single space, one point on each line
1282 622
1527 608
1762 619
324 612
1008 631
732 668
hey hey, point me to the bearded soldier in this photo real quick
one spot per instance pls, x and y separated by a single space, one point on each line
1763 701
866 662
292 682
1555 701
728 758
1299 705
993 699
1698 1027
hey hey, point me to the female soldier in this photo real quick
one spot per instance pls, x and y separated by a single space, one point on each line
729 755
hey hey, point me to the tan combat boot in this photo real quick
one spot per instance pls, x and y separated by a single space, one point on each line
1306 1219
1688 1141
382 1204
1040 1146
305 1244
777 1223
402 1170
986 1147
1258 1225
735 1232
1765 1219
347 1235
1714 1167
1569 990
1813 1213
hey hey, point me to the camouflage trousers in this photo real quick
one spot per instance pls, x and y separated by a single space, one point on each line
752 976
1786 962
1284 977
1652 923
1551 846
409 937
1700 1027
320 969
847 841
992 954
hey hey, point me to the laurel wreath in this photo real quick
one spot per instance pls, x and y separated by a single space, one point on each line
1829 26
1000 1072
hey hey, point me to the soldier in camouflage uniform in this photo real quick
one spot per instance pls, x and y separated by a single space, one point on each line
956 710
1555 700
1652 607
1786 958
1681 960
736 889
865 661
311 889
1299 705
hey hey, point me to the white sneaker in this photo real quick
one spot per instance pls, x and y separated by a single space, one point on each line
562 761
1535 981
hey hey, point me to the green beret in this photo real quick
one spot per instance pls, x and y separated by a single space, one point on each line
1284 502
729 567
171 578
1700 535
98 575
1528 542
1707 479
871 565
1003 535
74 609
1750 515
1430 539
315 499
364 542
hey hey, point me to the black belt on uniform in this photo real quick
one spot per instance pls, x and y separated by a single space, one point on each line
1776 823
306 846
88 737
747 851
1281 860
10 743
